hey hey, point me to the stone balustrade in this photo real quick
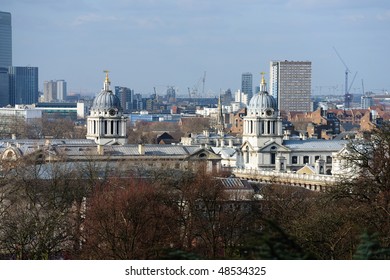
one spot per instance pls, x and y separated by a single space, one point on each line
315 182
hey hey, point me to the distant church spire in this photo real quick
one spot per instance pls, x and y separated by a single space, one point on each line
220 118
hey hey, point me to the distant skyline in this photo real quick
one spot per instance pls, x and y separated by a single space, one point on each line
150 43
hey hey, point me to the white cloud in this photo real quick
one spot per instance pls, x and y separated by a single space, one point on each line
384 16
92 17
147 23
354 18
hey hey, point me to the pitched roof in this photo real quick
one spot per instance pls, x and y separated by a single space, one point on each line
314 145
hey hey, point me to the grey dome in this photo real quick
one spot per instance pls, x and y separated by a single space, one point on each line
106 100
262 102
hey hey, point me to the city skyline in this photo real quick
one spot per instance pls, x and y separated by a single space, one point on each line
155 44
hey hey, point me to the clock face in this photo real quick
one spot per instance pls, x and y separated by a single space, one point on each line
112 112
268 112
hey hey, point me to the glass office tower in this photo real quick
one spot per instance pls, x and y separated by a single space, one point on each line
23 85
5 56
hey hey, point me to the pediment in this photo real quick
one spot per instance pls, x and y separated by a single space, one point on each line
274 147
11 153
204 154
306 170
247 146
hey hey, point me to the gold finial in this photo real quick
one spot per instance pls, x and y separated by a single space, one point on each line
262 78
107 80
106 85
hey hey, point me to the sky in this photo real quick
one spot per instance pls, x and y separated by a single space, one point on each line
147 44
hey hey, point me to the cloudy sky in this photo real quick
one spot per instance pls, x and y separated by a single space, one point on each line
160 43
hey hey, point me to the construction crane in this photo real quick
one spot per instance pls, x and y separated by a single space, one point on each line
347 95
203 83
196 88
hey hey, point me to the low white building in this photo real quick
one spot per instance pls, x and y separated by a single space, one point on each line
26 112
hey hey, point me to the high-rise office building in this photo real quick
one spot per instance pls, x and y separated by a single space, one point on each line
49 91
290 85
54 91
23 85
61 90
246 84
125 95
5 56
5 39
366 102
4 87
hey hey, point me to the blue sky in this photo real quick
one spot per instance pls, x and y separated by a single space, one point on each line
151 43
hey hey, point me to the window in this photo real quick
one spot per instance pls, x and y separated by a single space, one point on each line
306 159
294 160
316 158
273 157
328 159
202 155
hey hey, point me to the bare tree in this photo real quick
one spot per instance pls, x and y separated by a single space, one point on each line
369 188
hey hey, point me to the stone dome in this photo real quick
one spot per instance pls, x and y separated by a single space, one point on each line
106 100
262 103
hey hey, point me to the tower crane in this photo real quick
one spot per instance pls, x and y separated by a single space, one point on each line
203 83
347 95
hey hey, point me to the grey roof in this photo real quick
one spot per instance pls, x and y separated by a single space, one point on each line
315 145
236 183
132 150
83 147
224 152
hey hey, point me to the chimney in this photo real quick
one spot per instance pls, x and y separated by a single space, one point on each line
100 150
141 149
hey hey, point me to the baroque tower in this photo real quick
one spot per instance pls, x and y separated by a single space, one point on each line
106 123
262 132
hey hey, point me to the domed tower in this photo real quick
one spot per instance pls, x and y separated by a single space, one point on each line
106 123
262 124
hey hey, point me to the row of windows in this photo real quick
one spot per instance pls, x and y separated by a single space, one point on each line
306 159
294 159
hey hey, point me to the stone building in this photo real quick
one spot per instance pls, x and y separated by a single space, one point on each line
264 149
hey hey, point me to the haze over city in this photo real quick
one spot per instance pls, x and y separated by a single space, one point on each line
149 43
